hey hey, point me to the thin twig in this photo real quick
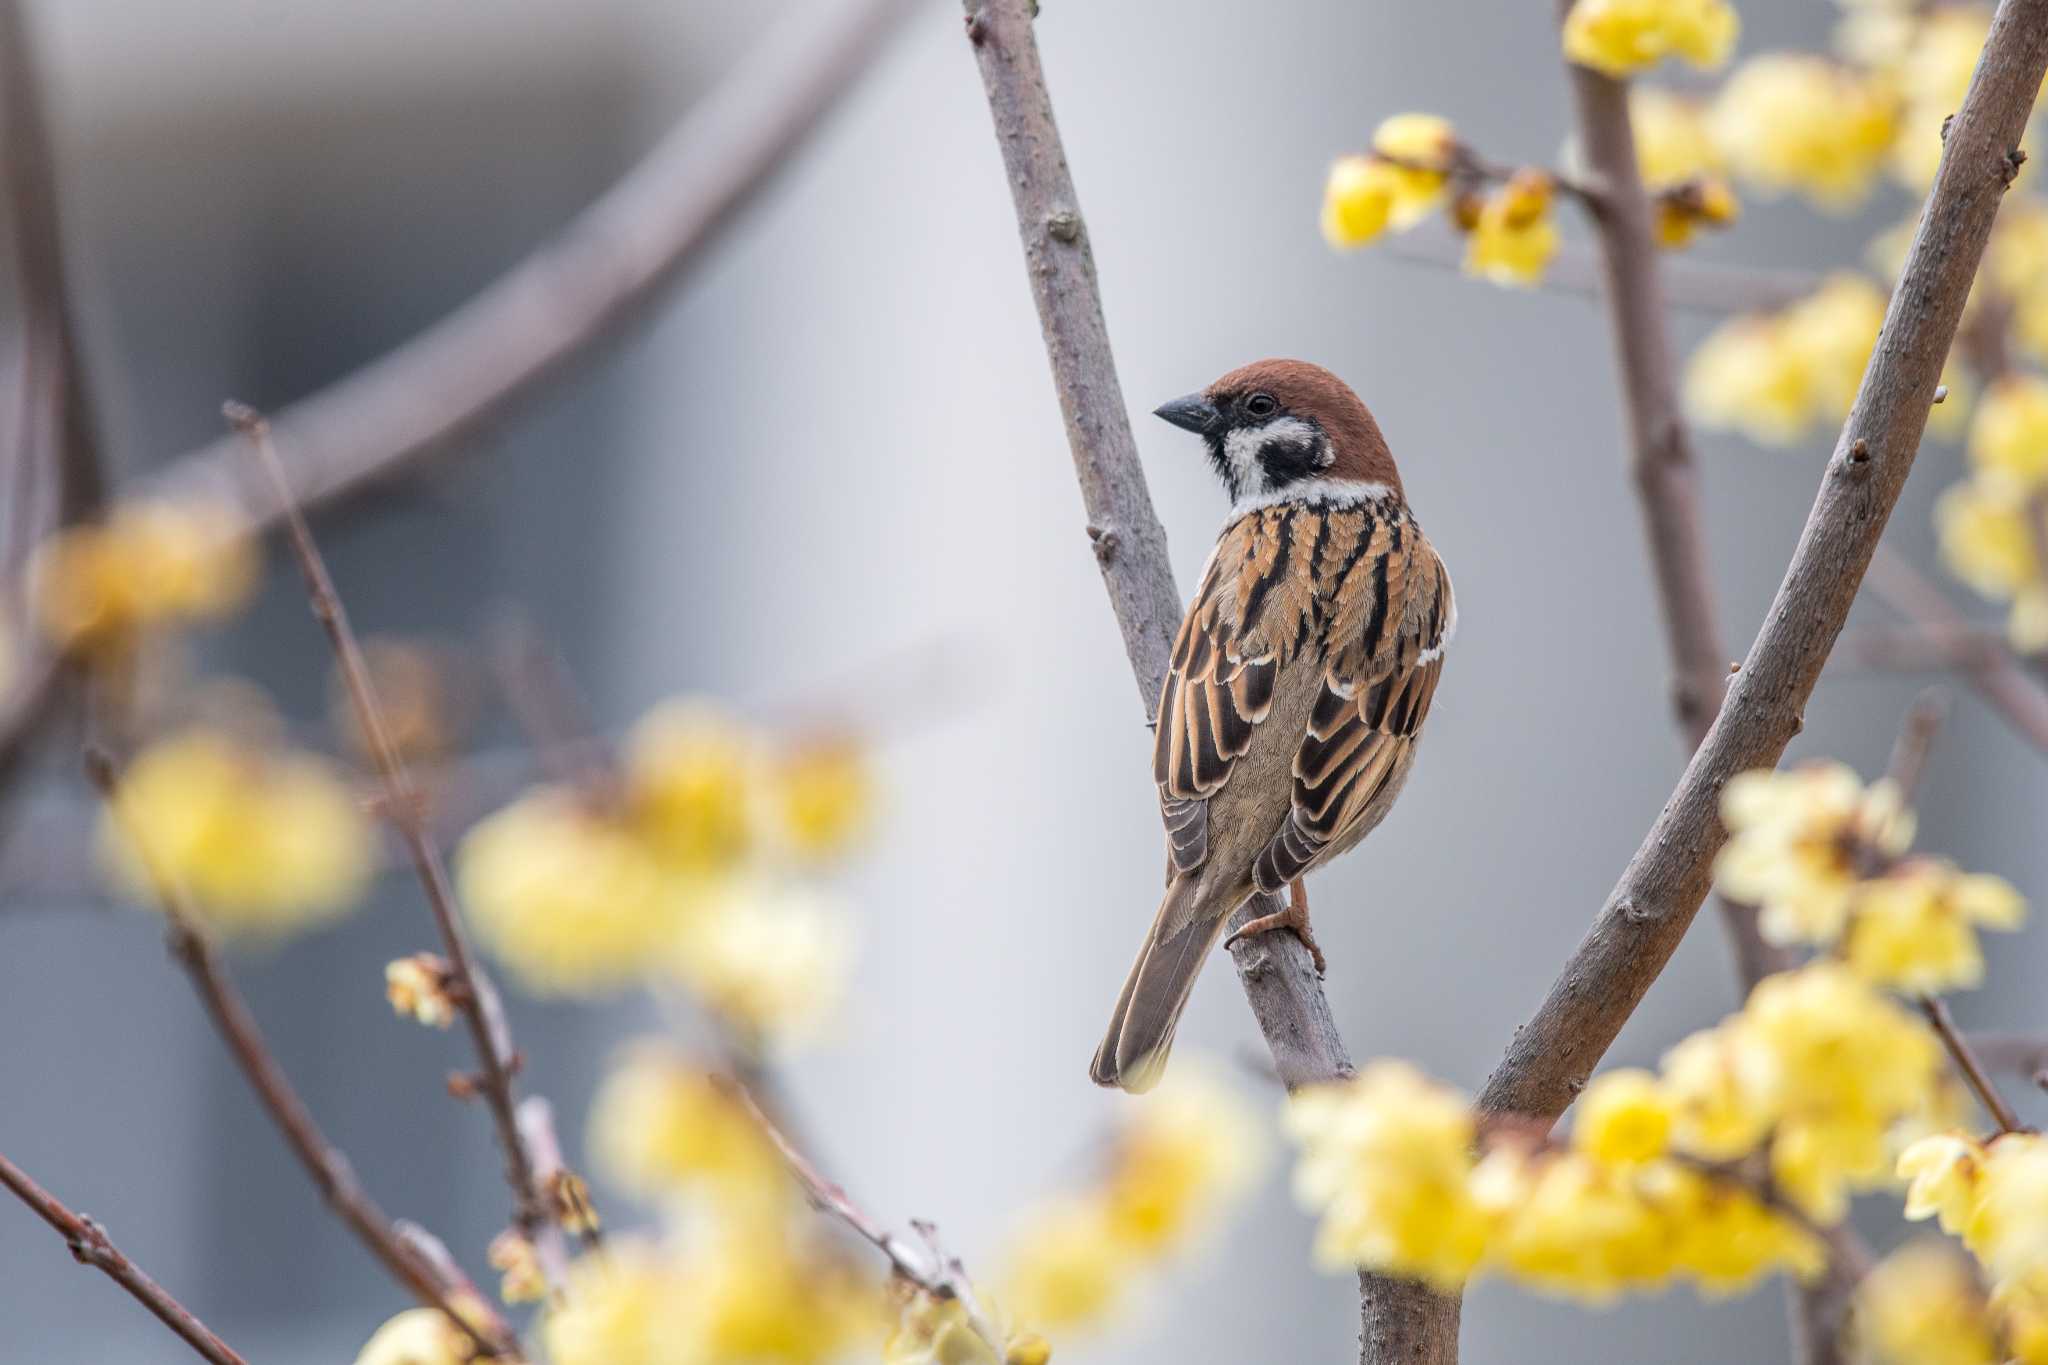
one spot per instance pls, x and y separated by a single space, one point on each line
330 1169
1992 673
928 1267
90 1244
603 272
1967 1062
1924 719
472 989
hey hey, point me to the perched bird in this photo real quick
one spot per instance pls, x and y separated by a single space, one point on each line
1299 680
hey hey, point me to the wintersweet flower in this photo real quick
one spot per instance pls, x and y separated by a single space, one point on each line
1067 1266
566 895
149 564
1799 844
1742 378
1943 1172
1915 929
1672 141
696 781
934 1331
2009 437
824 793
1623 1118
1725 1092
261 841
1723 1236
619 1310
1573 1226
1420 149
418 1336
661 1126
1989 530
417 988
1791 122
1190 1147
1622 37
1515 235
770 959
1922 1305
2008 1224
1358 200
1386 1159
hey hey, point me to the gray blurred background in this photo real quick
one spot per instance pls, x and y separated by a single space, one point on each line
837 443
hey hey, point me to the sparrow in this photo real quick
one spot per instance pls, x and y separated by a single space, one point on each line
1299 681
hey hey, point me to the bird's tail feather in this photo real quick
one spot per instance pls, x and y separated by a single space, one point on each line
1133 1052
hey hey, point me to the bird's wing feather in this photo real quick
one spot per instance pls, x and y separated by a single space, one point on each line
1388 625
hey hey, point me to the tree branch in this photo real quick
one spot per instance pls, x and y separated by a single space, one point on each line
90 1244
1278 976
612 262
331 1171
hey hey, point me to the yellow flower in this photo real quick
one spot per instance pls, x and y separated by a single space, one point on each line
1943 1172
754 1297
1851 1064
2021 1307
518 1263
660 1126
1723 1236
1623 1118
1988 536
770 959
1797 843
932 1331
1420 149
1574 1226
567 897
1672 143
1067 1267
418 1336
1915 929
695 779
262 842
1190 1146
1386 1158
1683 211
2010 436
150 564
1621 37
1742 378
1787 121
2008 1227
825 795
1830 334
1724 1088
620 1309
1358 200
1515 237
417 988
1921 1306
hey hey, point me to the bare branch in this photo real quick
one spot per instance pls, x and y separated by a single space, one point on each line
330 1169
1967 1063
90 1244
471 987
1985 664
605 269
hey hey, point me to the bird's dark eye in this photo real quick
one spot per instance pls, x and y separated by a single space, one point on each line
1261 405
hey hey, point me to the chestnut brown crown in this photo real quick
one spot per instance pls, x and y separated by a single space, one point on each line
1276 423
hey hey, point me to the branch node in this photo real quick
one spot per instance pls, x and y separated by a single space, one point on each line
977 32
1859 451
2009 168
1106 543
1064 225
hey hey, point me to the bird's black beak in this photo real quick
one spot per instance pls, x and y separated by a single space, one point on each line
1192 413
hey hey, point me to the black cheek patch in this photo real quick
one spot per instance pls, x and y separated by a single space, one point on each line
1289 461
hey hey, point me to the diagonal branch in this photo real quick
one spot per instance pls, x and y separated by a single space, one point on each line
600 274
91 1245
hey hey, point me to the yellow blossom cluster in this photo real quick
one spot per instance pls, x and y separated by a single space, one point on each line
1993 527
421 1336
1791 122
1681 166
1622 37
258 840
1189 1149
1512 234
689 869
147 565
1923 1303
1394 1164
1822 857
1774 377
936 1331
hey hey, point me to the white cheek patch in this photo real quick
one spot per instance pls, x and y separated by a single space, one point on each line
1242 446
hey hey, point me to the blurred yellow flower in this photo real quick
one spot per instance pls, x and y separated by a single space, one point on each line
149 564
1990 532
1066 1266
1851 1064
754 1297
263 842
1788 121
1724 1237
1623 1118
566 896
417 988
620 1309
771 959
1358 200
1933 76
1724 1087
1922 1305
2008 1226
1672 142
418 1336
1915 929
1386 1159
695 778
2009 437
1621 37
1682 211
661 1126
1799 845
1420 148
1570 1225
1515 235
824 791
1742 378
1830 334
1189 1147
1942 1171
934 1331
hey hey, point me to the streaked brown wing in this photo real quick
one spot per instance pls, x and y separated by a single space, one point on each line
1383 659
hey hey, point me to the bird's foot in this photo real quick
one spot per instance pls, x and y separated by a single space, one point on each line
1294 917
